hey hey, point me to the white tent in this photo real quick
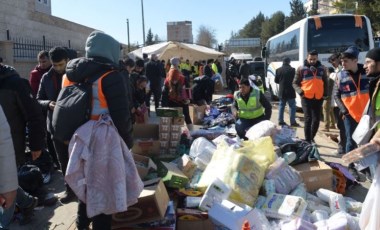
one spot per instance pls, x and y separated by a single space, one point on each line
167 50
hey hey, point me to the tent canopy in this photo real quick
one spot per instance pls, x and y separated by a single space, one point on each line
167 50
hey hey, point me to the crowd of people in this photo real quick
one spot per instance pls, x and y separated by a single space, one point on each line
123 94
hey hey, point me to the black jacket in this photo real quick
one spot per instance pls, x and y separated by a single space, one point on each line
284 77
113 87
50 85
154 71
203 89
22 110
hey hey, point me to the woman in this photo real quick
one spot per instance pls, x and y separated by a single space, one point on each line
173 94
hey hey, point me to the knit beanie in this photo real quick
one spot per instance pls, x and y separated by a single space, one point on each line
374 54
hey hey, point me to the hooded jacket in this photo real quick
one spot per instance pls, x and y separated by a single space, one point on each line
103 52
35 77
22 110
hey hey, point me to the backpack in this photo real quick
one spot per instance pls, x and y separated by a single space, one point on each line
73 108
30 178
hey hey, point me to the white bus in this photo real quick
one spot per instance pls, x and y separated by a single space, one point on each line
326 34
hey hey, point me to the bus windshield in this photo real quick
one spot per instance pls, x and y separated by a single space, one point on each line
335 34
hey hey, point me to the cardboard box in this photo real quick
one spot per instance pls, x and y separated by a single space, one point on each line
164 136
176 128
197 113
178 120
151 206
175 137
190 219
143 164
187 165
164 128
166 120
146 140
172 176
169 112
316 175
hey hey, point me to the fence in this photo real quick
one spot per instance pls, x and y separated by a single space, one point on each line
24 48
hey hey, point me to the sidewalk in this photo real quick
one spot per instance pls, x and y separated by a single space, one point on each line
62 217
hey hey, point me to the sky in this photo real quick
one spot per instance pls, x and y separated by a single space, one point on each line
222 17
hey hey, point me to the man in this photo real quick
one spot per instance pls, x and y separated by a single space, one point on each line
22 111
334 60
249 108
48 91
43 66
102 56
202 90
351 96
154 72
284 77
244 70
310 83
232 75
372 69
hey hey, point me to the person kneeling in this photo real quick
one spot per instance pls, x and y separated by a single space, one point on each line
249 108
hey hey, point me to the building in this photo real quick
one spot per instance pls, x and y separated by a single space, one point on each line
180 31
27 26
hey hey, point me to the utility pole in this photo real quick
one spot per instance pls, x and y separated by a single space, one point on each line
129 44
143 25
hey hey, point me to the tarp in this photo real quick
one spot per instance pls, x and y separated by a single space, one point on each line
167 50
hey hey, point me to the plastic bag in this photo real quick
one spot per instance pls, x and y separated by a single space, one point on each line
261 129
202 150
370 215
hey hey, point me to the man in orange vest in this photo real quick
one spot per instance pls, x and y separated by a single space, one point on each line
311 84
351 96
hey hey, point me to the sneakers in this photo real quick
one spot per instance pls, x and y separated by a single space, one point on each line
27 213
68 196
360 177
281 123
295 124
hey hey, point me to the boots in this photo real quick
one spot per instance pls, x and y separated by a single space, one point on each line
68 196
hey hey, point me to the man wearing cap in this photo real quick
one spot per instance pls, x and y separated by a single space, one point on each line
284 77
372 69
310 82
351 96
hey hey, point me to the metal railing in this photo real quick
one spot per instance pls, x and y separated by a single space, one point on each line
24 48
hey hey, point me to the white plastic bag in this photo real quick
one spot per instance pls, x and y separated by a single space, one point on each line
261 129
370 215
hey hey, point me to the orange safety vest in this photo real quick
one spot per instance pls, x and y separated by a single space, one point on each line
312 82
354 97
99 102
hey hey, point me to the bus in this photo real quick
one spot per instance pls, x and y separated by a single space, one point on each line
327 34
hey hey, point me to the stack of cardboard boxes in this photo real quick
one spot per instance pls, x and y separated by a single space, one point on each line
171 124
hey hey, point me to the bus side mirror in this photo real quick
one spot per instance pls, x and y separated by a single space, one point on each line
263 52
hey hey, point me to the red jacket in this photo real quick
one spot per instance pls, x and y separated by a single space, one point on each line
35 78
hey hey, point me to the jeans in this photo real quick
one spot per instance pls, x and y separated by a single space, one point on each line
312 109
23 200
242 125
99 222
350 126
342 131
292 110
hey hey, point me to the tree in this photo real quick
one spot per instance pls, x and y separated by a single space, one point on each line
149 38
206 37
370 8
253 28
273 26
297 13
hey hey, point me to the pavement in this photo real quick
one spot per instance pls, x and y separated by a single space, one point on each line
62 217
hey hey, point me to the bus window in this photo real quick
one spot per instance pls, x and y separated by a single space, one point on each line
335 34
